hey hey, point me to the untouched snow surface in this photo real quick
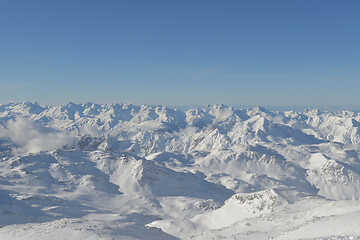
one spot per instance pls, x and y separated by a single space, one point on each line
119 171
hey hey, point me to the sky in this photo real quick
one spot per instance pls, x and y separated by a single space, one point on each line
181 53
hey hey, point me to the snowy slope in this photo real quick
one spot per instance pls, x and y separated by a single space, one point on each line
150 172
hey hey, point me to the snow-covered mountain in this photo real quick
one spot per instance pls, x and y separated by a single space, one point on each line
119 171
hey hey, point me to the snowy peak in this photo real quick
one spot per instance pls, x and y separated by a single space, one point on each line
334 179
239 207
137 175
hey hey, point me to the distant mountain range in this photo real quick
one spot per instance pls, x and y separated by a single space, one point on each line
122 171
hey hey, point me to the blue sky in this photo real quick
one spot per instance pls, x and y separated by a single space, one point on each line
189 52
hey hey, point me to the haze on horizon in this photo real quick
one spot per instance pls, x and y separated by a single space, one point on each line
269 53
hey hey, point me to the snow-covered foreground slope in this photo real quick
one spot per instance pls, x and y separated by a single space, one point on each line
119 171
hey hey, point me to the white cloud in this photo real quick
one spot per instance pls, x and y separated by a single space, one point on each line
31 137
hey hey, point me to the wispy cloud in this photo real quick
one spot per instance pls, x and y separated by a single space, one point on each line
31 137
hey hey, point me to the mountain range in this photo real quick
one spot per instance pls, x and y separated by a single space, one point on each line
121 171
